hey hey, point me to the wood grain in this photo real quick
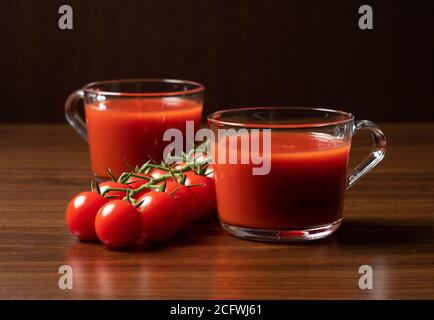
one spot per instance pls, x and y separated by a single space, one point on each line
246 52
388 224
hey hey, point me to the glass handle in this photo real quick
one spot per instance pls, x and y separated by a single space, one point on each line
377 153
73 116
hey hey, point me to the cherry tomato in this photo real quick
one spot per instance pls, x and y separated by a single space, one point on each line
136 182
81 213
160 215
156 173
186 200
204 190
209 172
118 224
116 194
179 165
202 156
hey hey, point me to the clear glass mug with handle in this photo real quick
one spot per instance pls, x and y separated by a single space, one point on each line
301 196
126 119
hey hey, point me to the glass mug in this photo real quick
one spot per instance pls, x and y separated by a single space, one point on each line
302 196
126 119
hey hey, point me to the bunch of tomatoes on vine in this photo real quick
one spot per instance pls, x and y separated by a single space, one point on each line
149 203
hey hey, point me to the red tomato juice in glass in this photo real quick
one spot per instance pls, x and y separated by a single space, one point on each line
304 188
131 130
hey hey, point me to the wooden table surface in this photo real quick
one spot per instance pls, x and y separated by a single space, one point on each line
388 224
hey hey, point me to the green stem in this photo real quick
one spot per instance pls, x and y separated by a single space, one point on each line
161 178
122 177
114 189
176 174
110 173
139 176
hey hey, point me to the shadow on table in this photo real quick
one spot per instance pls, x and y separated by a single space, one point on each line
195 234
362 232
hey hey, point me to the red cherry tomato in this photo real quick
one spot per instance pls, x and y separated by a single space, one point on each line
118 224
156 173
161 216
81 213
136 182
186 200
204 190
116 194
209 172
179 165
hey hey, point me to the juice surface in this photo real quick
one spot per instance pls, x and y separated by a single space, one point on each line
132 130
304 188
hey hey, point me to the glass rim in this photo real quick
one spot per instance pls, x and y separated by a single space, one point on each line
197 87
212 118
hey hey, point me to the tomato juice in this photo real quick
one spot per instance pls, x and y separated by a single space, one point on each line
304 188
126 130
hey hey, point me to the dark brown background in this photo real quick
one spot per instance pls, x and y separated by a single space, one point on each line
246 52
